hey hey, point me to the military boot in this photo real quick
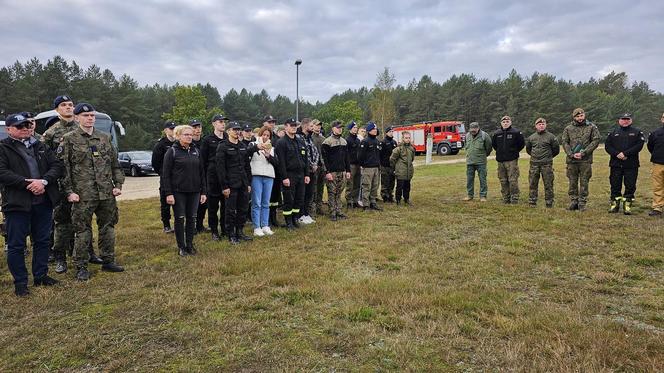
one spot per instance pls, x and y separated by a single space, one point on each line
94 259
60 265
112 267
627 206
289 222
574 205
615 205
241 236
232 238
82 274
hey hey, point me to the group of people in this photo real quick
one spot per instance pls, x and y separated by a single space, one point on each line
55 183
241 172
579 140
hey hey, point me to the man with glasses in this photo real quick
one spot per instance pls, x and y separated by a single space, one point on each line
656 149
580 139
623 145
215 201
93 179
508 142
291 152
29 173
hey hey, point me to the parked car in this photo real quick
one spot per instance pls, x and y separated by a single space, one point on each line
3 130
136 163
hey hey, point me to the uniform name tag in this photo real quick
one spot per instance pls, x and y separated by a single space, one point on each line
95 152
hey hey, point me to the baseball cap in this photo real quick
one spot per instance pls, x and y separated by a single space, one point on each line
269 118
169 125
626 116
219 117
17 119
195 123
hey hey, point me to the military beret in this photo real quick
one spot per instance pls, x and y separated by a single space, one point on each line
316 122
60 99
370 126
83 107
219 117
577 111
351 125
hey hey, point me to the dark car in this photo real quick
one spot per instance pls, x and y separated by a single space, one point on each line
136 163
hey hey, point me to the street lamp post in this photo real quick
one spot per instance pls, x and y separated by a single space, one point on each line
298 62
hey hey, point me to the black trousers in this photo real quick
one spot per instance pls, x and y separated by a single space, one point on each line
165 209
185 208
216 204
294 195
403 188
618 176
236 209
200 215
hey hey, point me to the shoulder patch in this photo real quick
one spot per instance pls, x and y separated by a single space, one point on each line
58 150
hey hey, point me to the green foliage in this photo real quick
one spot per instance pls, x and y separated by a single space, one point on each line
344 111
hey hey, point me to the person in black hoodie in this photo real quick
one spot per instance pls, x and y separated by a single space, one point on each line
216 202
353 187
369 158
387 180
508 142
197 125
183 181
624 144
29 173
157 163
656 149
293 167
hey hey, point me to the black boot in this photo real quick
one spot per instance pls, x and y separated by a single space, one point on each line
112 267
45 281
289 222
232 238
241 236
374 206
94 259
60 265
82 274
294 221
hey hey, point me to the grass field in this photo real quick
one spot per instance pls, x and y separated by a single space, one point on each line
442 285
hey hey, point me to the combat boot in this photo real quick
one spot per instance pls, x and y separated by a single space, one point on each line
341 215
94 259
241 236
374 206
112 267
627 206
45 281
82 274
615 205
232 238
294 221
289 222
21 290
60 266
574 205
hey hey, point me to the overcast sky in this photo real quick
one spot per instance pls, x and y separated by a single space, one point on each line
343 44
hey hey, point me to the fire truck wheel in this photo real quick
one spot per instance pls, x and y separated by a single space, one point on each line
444 149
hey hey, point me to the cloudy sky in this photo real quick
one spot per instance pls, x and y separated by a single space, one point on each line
343 44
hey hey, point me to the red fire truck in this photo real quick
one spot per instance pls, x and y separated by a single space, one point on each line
447 136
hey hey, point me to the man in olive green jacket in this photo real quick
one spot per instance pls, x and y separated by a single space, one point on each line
542 146
478 147
579 139
401 161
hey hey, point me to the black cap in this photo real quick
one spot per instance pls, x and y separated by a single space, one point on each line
290 121
195 123
269 118
626 116
247 128
233 125
219 117
60 99
83 108
169 125
17 119
388 129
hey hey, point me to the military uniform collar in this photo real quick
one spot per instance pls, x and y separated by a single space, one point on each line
94 134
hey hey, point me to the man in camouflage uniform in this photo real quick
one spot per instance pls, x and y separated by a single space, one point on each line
508 142
579 139
318 138
63 231
335 156
93 179
542 146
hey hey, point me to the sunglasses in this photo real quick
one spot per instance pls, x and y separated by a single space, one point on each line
25 125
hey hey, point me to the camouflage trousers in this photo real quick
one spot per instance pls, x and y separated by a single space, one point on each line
63 231
579 175
106 212
508 174
353 188
546 171
318 199
387 183
335 189
370 184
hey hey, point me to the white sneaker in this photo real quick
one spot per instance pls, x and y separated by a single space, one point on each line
303 220
258 232
310 219
267 231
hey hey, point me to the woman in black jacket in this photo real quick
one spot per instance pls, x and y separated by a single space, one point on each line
183 181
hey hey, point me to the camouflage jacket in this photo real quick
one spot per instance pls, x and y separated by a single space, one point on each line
542 147
401 160
91 163
53 135
582 138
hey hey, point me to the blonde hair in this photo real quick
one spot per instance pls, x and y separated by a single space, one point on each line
177 132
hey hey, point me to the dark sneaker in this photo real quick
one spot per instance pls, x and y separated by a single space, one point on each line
45 281
243 237
21 290
94 259
182 252
573 206
82 274
374 206
60 266
215 237
112 267
233 240
342 216
168 230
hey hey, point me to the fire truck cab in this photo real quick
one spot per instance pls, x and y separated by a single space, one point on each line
447 136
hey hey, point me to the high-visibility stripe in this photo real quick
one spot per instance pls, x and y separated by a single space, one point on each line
286 213
274 204
297 211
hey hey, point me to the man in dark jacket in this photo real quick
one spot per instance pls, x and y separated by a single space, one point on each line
216 202
624 144
29 173
234 176
656 149
293 167
369 158
335 156
387 180
355 182
158 152
508 142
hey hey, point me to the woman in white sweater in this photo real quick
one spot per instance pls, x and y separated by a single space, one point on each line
263 163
